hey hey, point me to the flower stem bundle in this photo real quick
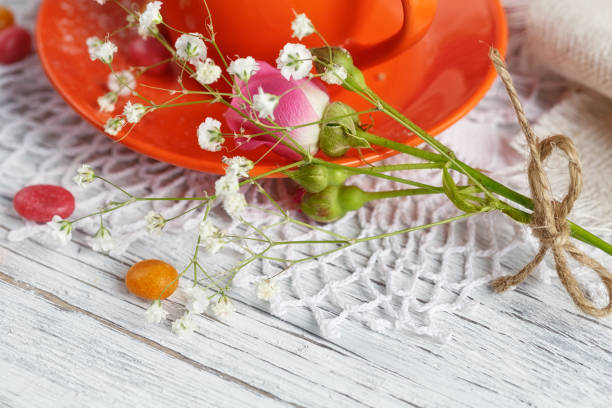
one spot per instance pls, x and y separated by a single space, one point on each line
282 111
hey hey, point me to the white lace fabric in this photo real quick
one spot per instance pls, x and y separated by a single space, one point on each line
404 282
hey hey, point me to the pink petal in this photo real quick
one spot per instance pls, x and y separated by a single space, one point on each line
294 108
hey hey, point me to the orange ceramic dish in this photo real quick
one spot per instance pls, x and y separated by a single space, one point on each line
434 83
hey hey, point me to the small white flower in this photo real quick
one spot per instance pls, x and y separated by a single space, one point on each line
148 20
85 175
101 2
190 47
234 204
105 52
196 298
211 237
243 68
102 241
302 26
61 230
183 326
267 289
106 103
334 75
226 185
92 47
224 308
238 165
122 83
155 222
134 112
294 60
265 103
209 135
207 72
155 313
114 125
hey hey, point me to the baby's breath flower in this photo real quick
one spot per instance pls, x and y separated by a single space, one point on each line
92 47
207 72
294 60
226 185
102 241
243 68
85 175
190 47
224 308
155 222
105 52
155 313
234 204
211 237
122 82
114 125
267 289
183 326
106 103
196 298
238 165
302 26
133 112
61 230
265 103
334 75
148 20
209 135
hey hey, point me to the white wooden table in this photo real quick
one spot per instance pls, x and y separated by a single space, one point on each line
71 336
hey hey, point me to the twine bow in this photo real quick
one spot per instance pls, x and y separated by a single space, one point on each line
549 219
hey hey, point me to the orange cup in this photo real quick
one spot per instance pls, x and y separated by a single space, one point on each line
260 28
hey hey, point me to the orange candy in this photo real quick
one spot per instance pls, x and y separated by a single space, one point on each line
6 18
151 279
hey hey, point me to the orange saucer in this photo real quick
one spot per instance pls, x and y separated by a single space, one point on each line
434 83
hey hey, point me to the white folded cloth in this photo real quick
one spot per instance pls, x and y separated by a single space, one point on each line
574 39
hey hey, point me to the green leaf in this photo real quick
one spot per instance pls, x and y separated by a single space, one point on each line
453 194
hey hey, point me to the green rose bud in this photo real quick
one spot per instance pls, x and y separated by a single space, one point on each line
316 178
339 130
326 56
333 203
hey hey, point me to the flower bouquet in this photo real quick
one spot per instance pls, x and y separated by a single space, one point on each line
282 108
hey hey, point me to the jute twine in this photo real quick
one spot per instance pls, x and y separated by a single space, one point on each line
549 219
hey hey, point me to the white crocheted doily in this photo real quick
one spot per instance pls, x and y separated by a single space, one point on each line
404 282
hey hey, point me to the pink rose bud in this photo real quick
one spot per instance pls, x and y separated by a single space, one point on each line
302 102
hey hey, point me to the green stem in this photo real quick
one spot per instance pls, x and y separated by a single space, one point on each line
378 195
370 171
487 182
406 166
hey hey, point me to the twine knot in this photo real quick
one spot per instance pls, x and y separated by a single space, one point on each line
549 219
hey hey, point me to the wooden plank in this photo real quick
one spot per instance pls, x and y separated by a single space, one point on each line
268 358
54 354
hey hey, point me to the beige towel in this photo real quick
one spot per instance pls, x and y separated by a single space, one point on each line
574 39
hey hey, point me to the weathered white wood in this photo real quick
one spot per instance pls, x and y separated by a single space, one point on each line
529 347
53 354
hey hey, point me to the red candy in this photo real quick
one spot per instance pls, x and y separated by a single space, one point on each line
144 52
15 44
41 202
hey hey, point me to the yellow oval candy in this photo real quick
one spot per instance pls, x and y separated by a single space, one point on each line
151 279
